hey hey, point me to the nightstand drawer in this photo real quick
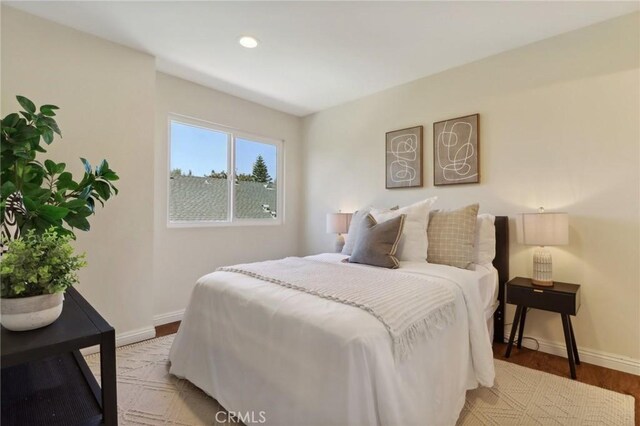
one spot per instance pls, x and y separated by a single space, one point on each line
543 298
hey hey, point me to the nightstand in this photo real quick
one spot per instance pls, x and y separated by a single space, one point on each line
563 298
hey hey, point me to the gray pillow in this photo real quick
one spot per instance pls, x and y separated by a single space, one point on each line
451 236
377 243
354 227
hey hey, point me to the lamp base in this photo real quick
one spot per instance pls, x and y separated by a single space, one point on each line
339 243
542 268
542 283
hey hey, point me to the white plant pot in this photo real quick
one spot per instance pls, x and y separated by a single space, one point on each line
29 313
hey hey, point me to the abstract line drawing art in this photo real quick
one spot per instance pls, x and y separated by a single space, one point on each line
404 158
456 156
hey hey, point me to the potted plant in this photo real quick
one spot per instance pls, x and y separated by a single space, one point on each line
45 204
35 272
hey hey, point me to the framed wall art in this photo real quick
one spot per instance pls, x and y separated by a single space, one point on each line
404 158
456 151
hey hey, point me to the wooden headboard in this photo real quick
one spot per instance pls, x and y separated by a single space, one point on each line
501 263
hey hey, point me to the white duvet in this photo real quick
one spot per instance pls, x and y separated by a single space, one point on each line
284 357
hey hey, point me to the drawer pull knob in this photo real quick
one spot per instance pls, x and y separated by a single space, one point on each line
538 291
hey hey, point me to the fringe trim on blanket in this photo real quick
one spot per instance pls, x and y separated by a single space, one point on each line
425 329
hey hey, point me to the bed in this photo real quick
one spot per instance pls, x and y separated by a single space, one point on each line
284 357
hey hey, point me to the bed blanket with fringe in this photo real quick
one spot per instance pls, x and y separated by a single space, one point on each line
411 307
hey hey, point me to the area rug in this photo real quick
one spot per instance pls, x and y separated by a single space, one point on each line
149 395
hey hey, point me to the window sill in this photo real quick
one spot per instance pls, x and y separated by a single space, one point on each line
223 224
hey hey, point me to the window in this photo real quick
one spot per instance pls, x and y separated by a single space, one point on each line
222 176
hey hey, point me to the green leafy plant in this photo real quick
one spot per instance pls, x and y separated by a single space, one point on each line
39 264
51 195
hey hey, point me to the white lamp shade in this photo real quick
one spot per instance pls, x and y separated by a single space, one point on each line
338 223
543 229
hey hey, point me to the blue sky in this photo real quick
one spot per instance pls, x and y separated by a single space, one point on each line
201 150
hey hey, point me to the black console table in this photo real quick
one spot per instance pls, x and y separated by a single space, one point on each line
45 379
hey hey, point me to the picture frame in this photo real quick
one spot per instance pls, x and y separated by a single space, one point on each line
456 150
404 158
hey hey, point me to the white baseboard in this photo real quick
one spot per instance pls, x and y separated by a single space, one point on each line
140 334
590 356
135 336
127 338
168 317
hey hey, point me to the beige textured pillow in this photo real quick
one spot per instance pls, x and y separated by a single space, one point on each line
451 236
377 243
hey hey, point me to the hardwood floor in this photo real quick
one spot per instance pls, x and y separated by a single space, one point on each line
166 329
587 373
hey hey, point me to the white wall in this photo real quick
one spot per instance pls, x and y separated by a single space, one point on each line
559 129
113 107
182 255
106 97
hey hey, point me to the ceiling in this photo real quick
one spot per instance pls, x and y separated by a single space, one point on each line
314 55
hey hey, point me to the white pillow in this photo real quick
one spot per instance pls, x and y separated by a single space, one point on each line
484 250
413 243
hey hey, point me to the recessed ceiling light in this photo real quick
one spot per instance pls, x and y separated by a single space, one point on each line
248 42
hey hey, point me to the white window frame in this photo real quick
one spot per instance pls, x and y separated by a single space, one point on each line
233 134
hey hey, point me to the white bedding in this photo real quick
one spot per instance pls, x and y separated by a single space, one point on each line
303 360
486 277
487 280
